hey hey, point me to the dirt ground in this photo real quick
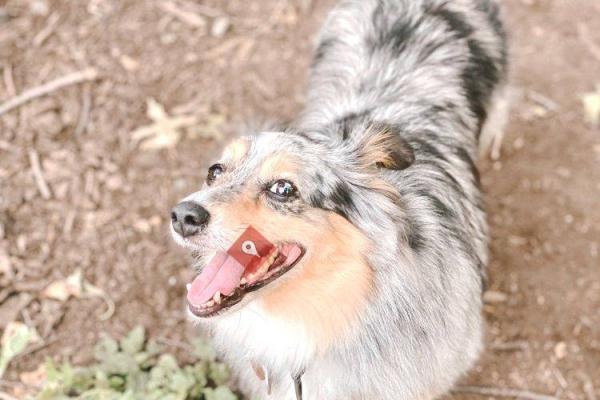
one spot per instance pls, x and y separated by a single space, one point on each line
77 192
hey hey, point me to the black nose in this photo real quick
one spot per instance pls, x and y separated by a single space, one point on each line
188 218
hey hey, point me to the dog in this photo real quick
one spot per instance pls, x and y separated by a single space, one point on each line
372 198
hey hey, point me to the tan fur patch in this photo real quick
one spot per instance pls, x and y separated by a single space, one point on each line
375 149
280 165
327 291
385 188
383 148
236 150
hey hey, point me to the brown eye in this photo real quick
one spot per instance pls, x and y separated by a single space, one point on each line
213 172
282 190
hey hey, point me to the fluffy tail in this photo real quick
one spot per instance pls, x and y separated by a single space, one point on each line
431 65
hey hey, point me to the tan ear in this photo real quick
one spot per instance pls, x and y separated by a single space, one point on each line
382 146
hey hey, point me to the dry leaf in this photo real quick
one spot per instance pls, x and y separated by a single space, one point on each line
35 378
14 340
129 63
560 350
76 286
493 296
220 26
165 132
63 289
591 107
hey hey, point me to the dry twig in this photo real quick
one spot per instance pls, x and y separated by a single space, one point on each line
543 101
84 113
89 74
502 392
222 48
38 176
184 16
45 33
9 81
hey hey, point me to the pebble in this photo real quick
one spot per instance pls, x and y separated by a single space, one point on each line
220 27
514 240
39 7
129 63
560 350
493 296
519 143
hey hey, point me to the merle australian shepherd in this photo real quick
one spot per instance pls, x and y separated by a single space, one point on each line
371 197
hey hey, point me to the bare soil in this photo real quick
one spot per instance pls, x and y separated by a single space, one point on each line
107 211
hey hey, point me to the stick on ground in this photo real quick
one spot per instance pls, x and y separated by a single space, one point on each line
502 392
38 176
84 113
89 74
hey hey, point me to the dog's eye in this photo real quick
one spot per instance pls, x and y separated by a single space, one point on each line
282 190
213 172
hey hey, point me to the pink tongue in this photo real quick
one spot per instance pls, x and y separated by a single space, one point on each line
223 274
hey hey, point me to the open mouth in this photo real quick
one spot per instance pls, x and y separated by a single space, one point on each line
224 282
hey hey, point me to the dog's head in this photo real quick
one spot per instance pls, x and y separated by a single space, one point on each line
321 201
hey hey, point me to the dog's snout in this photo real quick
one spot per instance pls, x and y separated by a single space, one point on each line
188 218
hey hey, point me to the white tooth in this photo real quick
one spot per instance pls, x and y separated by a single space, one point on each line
217 297
273 256
209 304
188 286
264 266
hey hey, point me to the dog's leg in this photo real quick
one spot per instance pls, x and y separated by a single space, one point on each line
492 133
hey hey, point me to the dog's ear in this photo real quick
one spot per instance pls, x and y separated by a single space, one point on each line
382 146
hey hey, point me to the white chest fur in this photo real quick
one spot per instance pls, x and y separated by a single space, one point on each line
251 334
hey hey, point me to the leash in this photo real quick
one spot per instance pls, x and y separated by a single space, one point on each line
263 374
298 386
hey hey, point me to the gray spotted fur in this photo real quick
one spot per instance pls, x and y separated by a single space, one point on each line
429 70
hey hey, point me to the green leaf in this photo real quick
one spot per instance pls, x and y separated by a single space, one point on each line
116 382
167 362
138 370
162 372
134 342
105 349
101 394
220 393
219 373
120 364
181 383
199 371
137 383
153 348
203 349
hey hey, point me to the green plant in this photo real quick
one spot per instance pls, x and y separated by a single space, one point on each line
136 369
